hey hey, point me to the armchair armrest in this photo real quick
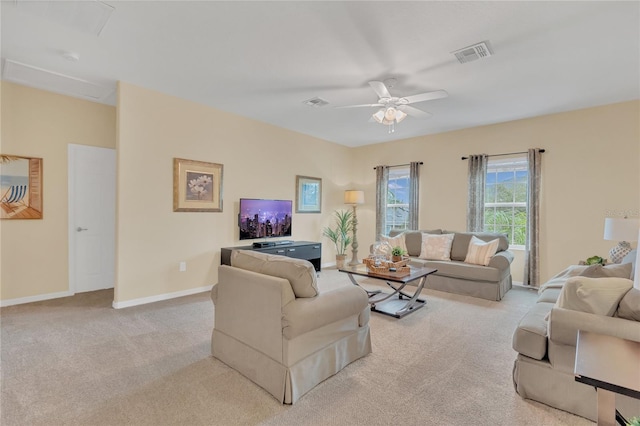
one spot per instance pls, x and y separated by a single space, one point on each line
565 323
501 260
306 314
249 308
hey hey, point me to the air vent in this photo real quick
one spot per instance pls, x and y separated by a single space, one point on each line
474 52
39 78
316 102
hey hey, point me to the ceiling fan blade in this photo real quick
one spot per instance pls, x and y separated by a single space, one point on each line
429 96
380 89
359 106
414 112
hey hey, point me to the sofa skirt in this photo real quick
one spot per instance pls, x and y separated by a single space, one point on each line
315 368
538 381
288 384
482 289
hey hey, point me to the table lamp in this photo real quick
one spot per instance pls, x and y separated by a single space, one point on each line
354 197
622 230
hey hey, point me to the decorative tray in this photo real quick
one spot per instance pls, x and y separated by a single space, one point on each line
383 267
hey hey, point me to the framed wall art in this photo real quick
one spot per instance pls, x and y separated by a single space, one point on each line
197 186
308 194
20 187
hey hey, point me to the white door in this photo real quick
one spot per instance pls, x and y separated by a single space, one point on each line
92 217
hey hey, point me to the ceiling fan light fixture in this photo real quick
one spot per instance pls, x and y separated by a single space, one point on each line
379 116
390 113
389 116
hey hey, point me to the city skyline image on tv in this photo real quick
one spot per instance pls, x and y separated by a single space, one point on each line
264 218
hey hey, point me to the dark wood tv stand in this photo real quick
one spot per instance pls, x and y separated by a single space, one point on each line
307 250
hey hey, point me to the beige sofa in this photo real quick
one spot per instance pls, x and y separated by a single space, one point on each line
455 276
546 339
277 327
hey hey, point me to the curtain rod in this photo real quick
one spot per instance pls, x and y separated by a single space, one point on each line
400 165
507 153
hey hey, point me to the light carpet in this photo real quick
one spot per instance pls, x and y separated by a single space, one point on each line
77 361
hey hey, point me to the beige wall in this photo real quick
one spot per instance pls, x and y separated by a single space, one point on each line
260 161
41 124
590 170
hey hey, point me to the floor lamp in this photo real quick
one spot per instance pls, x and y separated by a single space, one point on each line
354 197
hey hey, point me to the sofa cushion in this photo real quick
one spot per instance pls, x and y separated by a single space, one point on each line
304 315
465 271
395 241
599 296
436 247
550 295
530 338
299 272
629 307
413 239
480 252
614 270
461 241
631 258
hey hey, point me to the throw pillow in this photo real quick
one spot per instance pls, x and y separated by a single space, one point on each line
479 252
599 296
397 241
615 270
630 305
436 247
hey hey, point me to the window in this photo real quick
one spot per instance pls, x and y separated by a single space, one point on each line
397 199
505 202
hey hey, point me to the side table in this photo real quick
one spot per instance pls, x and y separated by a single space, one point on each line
611 365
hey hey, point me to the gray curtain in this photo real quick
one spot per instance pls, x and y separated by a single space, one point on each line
414 194
382 180
531 262
475 199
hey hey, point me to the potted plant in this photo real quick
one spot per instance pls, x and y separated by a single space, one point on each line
397 253
634 421
340 235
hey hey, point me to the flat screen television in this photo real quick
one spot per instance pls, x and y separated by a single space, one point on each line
264 218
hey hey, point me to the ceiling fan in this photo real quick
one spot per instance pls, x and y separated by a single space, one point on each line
394 109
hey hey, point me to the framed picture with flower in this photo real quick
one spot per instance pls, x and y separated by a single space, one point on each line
197 186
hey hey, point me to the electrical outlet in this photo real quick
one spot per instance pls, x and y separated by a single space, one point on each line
183 266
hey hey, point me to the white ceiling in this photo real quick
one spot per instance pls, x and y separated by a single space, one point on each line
263 59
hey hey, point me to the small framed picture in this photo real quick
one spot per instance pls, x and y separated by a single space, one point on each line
308 194
197 186
20 187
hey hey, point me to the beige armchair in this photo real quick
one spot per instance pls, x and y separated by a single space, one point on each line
274 325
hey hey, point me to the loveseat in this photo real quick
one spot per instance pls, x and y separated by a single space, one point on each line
454 275
590 298
279 327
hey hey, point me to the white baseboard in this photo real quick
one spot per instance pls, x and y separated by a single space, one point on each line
160 297
37 298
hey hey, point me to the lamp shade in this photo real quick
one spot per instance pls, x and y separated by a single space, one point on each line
621 229
352 196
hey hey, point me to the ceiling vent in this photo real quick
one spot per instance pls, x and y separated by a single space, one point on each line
316 102
39 78
474 52
87 16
